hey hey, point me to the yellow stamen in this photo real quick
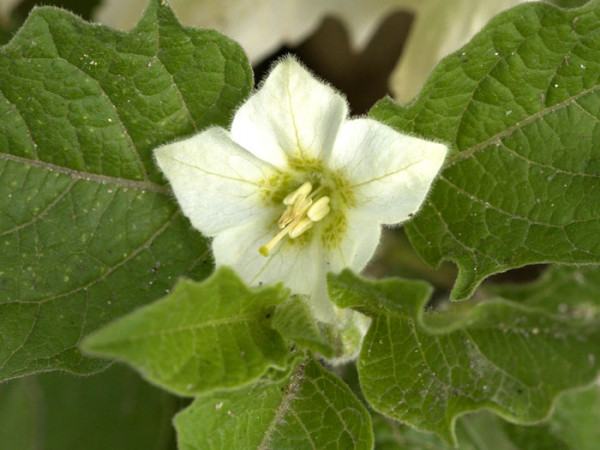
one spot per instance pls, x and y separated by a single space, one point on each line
265 249
300 227
319 209
286 217
303 191
301 207
299 216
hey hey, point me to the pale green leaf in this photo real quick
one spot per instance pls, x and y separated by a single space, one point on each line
114 410
573 426
200 337
88 230
294 321
519 106
312 409
574 291
428 368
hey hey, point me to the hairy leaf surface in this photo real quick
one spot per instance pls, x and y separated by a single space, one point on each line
88 230
310 409
200 337
428 368
520 106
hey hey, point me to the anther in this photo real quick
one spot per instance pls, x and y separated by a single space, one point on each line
319 209
300 214
286 217
301 207
302 191
298 228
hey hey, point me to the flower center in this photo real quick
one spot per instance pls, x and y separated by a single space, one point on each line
302 210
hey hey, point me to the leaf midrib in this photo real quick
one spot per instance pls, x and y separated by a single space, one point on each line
294 386
240 319
496 138
86 176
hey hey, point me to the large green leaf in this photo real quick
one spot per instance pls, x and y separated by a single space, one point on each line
519 105
200 337
114 410
312 409
427 368
88 230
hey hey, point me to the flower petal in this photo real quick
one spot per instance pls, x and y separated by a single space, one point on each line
293 115
389 173
216 182
298 265
295 265
357 245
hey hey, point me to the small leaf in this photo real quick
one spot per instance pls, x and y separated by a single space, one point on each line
428 368
520 106
311 409
114 410
88 231
200 337
293 320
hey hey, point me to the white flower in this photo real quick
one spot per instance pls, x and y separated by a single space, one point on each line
296 189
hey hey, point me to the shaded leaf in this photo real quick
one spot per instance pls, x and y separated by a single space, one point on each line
573 291
113 410
311 409
200 337
519 105
428 368
88 230
574 424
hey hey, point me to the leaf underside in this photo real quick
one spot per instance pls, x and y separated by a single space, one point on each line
428 368
202 336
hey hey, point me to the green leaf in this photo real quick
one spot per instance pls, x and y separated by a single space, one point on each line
311 409
574 422
573 425
294 321
113 410
88 230
563 290
428 368
200 337
519 106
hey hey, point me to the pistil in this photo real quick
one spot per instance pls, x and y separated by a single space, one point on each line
300 215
